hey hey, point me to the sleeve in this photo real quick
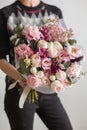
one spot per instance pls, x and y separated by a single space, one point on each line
59 13
62 21
4 37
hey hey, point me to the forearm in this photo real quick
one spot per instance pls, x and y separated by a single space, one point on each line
9 69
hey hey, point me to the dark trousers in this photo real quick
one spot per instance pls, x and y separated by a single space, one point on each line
48 107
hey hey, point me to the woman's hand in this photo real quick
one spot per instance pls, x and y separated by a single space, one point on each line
22 82
12 72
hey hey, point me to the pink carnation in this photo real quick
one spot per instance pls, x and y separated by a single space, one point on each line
31 33
64 56
22 51
33 81
74 70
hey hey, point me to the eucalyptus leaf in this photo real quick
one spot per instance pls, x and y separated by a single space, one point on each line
73 80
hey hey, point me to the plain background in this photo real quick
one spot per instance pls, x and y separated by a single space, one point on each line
75 98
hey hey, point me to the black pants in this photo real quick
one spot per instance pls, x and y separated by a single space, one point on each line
48 107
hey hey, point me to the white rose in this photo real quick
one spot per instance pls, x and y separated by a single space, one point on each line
56 86
40 74
42 44
57 45
61 75
33 70
50 45
52 53
36 61
52 77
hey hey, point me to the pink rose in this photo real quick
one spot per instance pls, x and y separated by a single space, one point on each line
33 81
45 80
56 86
36 60
46 63
23 51
66 83
74 70
31 32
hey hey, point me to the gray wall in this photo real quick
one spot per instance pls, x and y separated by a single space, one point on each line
73 99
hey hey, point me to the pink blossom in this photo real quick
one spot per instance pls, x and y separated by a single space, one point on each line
46 63
66 83
42 52
22 51
74 70
31 33
33 81
56 30
63 37
64 56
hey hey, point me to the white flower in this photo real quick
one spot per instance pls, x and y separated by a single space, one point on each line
52 77
57 86
53 53
60 75
36 61
40 74
33 70
57 45
42 44
50 45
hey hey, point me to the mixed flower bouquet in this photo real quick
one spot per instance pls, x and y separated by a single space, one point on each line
47 55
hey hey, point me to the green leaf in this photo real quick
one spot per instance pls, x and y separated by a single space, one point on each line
67 64
23 69
72 41
62 66
73 80
18 29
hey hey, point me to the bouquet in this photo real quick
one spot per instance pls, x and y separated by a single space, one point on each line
46 56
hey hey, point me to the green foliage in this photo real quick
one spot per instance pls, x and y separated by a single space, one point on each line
65 65
73 80
62 66
72 41
18 29
23 69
